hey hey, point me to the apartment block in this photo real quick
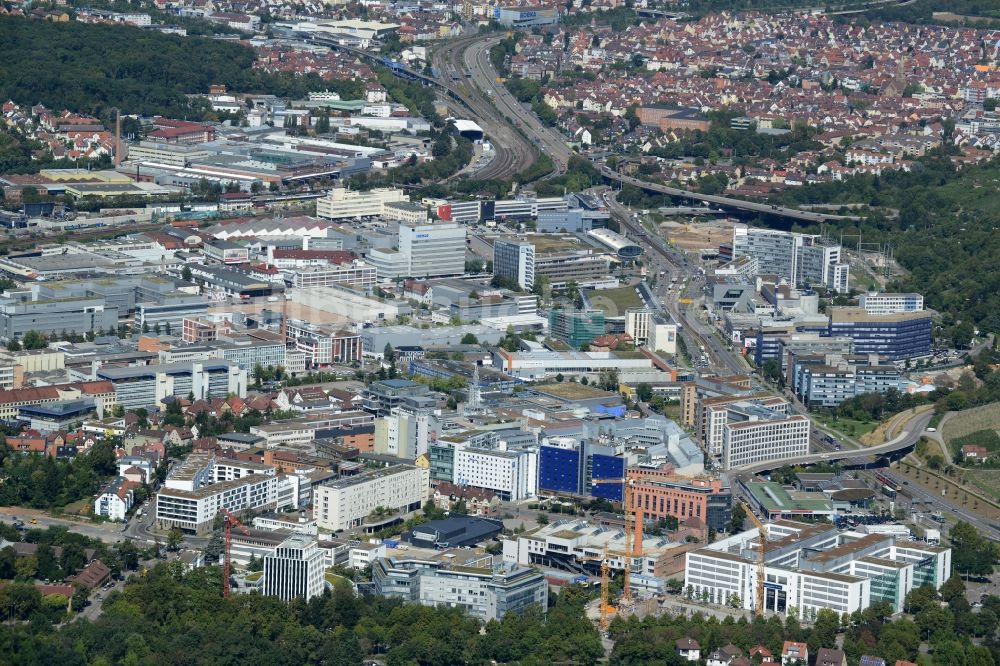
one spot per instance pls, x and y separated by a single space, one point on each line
346 502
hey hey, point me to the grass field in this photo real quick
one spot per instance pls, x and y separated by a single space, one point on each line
614 302
336 580
79 508
966 422
986 480
849 427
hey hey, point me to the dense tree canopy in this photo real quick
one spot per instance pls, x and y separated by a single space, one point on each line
93 68
173 617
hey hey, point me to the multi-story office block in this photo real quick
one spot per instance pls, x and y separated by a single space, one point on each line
432 249
660 494
295 569
894 336
484 592
883 303
147 385
340 203
571 466
799 258
756 434
576 328
515 260
811 567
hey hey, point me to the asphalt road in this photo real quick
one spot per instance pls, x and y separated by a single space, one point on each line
727 202
912 432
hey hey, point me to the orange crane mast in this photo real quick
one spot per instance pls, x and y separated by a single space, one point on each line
633 546
230 521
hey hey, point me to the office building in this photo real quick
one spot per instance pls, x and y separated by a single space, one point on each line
430 250
295 569
895 336
101 393
883 303
692 501
323 345
542 364
570 466
758 434
483 591
146 386
340 203
801 259
576 545
346 502
828 380
576 328
774 501
56 315
716 411
383 397
514 261
649 329
354 274
809 567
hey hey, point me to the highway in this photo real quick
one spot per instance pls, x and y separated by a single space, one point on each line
906 439
660 256
727 202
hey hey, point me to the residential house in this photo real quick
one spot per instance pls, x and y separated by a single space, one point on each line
91 576
794 654
831 657
724 656
688 648
115 499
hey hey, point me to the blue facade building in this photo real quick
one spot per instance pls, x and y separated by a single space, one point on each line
604 466
559 469
567 465
895 336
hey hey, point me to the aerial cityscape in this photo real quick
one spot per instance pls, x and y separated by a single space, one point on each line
372 333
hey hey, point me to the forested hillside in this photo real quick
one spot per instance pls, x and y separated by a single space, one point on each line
945 234
92 68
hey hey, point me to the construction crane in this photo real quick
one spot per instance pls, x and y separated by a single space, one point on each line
230 521
762 535
633 548
606 609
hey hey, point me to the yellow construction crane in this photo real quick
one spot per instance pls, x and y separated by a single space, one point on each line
633 549
762 535
606 609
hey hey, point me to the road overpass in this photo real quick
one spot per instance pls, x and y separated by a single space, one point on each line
905 441
728 202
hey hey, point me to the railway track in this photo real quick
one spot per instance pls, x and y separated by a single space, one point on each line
514 152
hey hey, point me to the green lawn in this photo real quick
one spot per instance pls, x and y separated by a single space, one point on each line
849 427
81 507
336 580
614 302
986 480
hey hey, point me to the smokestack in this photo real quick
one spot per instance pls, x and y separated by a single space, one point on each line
118 138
